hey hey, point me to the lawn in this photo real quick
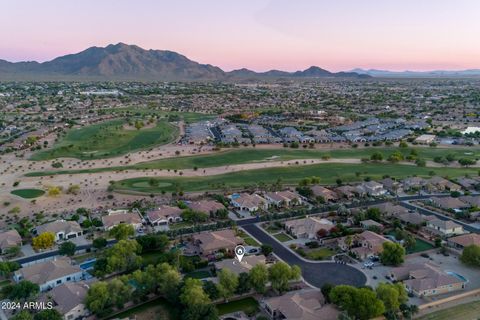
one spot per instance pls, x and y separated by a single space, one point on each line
319 254
328 174
240 156
156 309
248 240
28 193
108 139
282 237
180 225
420 245
248 305
152 257
201 274
467 311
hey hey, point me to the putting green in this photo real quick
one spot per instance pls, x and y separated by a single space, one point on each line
28 193
108 139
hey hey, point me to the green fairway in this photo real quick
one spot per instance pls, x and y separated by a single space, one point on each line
188 117
28 193
239 156
467 311
328 174
108 139
248 305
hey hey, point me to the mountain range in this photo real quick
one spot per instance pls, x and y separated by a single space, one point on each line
130 62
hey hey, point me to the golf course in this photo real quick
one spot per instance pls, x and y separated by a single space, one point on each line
256 155
108 139
328 173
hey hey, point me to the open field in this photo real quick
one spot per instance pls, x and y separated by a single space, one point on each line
28 193
241 156
467 311
328 174
107 139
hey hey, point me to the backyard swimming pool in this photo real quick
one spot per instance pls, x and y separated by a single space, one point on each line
456 275
88 264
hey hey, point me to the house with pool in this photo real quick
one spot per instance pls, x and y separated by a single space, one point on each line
50 274
425 279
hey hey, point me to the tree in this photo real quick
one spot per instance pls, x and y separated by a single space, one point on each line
99 243
73 189
326 289
150 242
376 156
471 255
22 315
393 254
67 248
266 249
21 291
48 314
211 290
227 283
194 216
403 144
359 303
43 241
392 296
13 251
54 191
195 301
122 231
168 279
98 299
8 267
243 283
397 156
258 278
120 292
281 273
123 256
465 162
421 163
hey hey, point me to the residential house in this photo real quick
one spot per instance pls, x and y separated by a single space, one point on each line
113 219
308 227
69 298
63 230
206 206
414 218
390 210
465 240
326 194
368 224
467 183
449 203
372 188
9 239
426 280
306 304
248 262
441 184
207 243
283 198
391 185
248 202
473 201
363 245
425 139
164 215
444 228
50 274
347 192
413 183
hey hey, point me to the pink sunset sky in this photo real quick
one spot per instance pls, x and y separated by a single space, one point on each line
256 34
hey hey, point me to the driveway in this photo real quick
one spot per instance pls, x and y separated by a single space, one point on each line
315 273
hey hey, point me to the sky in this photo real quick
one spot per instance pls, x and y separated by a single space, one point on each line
256 34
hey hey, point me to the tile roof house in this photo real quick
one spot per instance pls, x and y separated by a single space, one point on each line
164 215
369 223
306 304
347 192
9 239
113 219
426 279
61 229
326 194
248 262
413 182
69 300
460 242
364 244
473 201
372 188
248 202
443 184
391 210
212 242
286 198
390 184
206 206
449 203
308 227
50 274
444 227
414 218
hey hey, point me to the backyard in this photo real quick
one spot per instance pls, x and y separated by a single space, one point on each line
248 305
467 311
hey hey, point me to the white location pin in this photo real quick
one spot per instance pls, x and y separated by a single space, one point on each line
239 252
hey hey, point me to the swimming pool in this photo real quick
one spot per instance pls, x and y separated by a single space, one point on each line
87 264
456 275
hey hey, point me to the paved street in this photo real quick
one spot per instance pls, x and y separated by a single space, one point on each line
315 273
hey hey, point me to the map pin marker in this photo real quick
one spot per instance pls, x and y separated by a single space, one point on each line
239 252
